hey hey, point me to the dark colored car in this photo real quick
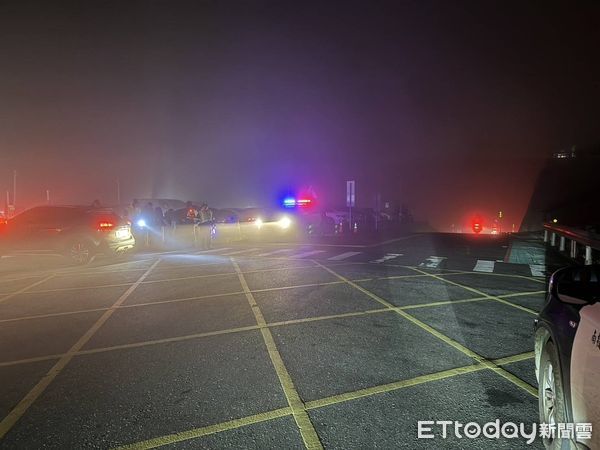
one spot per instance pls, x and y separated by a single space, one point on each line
567 358
76 232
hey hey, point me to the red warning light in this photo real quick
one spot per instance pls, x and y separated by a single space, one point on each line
477 225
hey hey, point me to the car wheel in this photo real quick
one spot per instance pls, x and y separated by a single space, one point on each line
79 251
551 394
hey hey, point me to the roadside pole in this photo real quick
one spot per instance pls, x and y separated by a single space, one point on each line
350 200
15 189
377 208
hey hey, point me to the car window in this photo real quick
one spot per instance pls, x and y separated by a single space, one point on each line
30 216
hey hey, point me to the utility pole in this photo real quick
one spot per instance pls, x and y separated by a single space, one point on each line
15 189
47 196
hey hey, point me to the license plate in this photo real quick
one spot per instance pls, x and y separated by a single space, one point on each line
123 233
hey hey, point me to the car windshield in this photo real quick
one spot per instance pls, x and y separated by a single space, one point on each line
299 224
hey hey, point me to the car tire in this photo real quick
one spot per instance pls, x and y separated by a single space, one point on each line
551 396
79 251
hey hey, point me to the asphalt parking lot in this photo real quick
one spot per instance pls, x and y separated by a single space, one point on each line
228 349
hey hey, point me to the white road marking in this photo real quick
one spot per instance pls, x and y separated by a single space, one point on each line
305 254
344 256
213 250
275 252
537 270
239 252
387 257
432 262
484 266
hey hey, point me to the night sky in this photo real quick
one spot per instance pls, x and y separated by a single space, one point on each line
449 107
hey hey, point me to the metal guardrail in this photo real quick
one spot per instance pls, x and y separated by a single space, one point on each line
591 241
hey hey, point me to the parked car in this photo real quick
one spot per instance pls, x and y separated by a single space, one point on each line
77 232
225 216
567 356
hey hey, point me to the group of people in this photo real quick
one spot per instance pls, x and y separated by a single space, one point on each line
155 217
199 215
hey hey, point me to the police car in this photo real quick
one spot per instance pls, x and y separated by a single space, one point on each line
567 358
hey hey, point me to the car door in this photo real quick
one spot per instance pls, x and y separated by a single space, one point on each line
47 228
585 372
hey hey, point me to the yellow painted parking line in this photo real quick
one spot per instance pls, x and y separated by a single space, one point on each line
136 305
516 380
507 375
514 358
23 277
273 269
57 314
208 430
184 299
31 360
521 294
284 288
186 337
330 317
25 289
190 277
202 297
397 277
412 319
446 302
233 330
307 430
17 412
77 288
218 332
477 291
165 280
320 403
101 271
249 328
384 388
491 274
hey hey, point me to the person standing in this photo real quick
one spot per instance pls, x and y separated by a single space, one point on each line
205 224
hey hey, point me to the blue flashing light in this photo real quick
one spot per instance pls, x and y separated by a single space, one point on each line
289 202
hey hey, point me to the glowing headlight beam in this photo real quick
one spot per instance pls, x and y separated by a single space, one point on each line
285 222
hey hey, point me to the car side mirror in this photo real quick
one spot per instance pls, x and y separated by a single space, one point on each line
578 285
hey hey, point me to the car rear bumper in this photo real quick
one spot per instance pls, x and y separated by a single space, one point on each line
120 245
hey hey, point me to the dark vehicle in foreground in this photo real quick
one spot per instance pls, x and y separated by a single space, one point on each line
76 232
567 358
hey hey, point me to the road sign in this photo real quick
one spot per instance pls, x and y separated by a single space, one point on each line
350 193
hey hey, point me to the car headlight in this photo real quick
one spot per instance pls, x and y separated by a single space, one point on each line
141 223
285 222
258 222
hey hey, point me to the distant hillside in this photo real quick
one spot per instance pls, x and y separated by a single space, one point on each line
567 189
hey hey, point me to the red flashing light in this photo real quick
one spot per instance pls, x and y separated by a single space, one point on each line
105 226
477 226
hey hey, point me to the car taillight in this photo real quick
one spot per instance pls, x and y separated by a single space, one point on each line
105 226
